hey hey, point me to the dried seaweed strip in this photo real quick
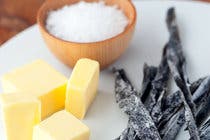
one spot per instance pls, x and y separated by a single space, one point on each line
202 92
144 132
204 112
173 101
195 85
159 86
191 124
205 131
149 75
128 134
139 119
129 104
171 105
206 134
188 103
176 59
157 113
202 100
159 89
173 127
133 106
177 65
123 86
142 123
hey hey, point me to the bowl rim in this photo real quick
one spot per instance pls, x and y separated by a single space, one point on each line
43 27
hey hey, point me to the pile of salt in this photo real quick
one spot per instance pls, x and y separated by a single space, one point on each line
86 22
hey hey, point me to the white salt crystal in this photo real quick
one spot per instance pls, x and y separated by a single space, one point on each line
86 22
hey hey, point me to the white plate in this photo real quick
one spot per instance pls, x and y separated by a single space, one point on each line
104 118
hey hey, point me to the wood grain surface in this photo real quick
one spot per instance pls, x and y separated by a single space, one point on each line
16 15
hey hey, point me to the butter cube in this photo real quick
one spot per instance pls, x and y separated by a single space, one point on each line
41 80
20 114
61 126
82 87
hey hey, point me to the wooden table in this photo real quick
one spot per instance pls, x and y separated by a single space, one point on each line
16 15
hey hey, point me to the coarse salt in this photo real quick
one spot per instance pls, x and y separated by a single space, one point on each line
85 22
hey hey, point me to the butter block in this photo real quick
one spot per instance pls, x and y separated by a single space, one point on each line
82 87
61 126
20 114
39 79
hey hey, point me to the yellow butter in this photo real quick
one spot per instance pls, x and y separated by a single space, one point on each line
82 87
20 114
61 126
41 80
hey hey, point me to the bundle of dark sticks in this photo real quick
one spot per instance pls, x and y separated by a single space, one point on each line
155 114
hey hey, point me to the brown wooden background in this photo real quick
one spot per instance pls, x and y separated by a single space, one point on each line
16 15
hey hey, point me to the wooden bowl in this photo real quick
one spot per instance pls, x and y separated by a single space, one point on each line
105 52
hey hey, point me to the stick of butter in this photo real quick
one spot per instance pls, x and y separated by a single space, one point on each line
41 80
82 87
61 126
20 114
